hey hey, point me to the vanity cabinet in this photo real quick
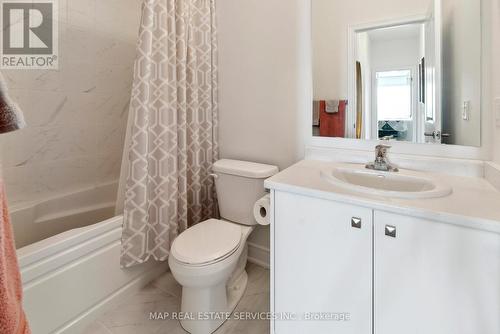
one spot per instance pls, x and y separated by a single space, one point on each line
413 275
434 278
322 265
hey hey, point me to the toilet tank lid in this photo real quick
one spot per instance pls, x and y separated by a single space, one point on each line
244 168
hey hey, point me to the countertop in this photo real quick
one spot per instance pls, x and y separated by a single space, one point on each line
474 203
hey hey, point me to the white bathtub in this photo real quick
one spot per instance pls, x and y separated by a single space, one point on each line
72 277
33 222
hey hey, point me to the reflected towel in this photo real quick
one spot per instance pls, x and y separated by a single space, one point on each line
316 110
332 106
11 117
12 317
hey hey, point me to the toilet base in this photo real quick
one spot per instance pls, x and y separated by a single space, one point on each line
209 308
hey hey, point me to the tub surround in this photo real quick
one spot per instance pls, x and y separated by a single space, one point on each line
473 203
76 115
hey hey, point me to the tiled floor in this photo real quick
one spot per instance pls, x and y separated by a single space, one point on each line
163 295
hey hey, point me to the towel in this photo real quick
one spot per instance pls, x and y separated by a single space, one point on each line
316 110
11 117
332 106
333 125
12 317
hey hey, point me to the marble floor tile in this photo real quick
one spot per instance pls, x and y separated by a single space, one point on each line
168 284
164 295
258 280
249 306
133 316
96 328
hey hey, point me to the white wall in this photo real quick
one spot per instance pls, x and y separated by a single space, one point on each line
77 115
264 82
496 73
331 20
462 46
393 54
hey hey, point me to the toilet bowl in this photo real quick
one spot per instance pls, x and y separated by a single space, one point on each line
211 288
208 260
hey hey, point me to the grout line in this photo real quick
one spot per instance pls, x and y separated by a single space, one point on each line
104 326
166 292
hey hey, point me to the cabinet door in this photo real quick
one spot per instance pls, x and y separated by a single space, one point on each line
322 265
435 278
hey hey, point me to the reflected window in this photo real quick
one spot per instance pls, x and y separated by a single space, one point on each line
394 95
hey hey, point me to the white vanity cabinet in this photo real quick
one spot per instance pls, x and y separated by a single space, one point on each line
322 265
413 275
434 278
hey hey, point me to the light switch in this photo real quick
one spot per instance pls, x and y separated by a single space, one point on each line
466 111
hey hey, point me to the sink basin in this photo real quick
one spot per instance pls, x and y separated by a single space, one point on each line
404 184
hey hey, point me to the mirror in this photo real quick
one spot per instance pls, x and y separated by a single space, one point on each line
411 78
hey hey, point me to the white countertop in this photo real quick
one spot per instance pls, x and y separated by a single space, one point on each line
474 203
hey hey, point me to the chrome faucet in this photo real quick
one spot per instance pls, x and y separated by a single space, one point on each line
382 162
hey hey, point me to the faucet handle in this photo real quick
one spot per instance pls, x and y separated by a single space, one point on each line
381 150
382 163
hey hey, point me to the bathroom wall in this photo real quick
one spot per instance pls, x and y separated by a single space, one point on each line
331 20
77 115
396 53
264 82
496 76
462 43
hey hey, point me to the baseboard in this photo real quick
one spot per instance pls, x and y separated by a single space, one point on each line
78 325
259 255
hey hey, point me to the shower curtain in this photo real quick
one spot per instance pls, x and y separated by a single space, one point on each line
172 132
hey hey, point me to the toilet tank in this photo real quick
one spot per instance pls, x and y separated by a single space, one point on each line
239 185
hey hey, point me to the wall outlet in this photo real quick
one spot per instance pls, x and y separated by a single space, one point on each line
496 107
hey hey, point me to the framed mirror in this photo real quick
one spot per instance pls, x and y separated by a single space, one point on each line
414 79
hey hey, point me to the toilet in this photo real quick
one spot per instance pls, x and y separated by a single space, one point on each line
208 260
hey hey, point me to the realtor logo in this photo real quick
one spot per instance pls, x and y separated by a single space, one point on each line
29 34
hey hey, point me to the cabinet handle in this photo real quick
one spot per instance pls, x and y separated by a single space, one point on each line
356 222
390 231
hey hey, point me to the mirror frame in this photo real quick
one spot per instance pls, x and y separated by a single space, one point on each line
484 152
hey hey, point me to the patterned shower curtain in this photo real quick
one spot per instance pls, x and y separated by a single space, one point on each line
173 135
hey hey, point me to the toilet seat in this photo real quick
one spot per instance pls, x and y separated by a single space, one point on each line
208 242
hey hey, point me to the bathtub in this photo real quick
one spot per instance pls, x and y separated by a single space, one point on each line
33 222
71 272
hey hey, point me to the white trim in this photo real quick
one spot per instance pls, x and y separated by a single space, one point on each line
273 265
259 255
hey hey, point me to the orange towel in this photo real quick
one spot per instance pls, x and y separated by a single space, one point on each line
12 317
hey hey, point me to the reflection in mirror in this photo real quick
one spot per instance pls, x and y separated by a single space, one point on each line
414 80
